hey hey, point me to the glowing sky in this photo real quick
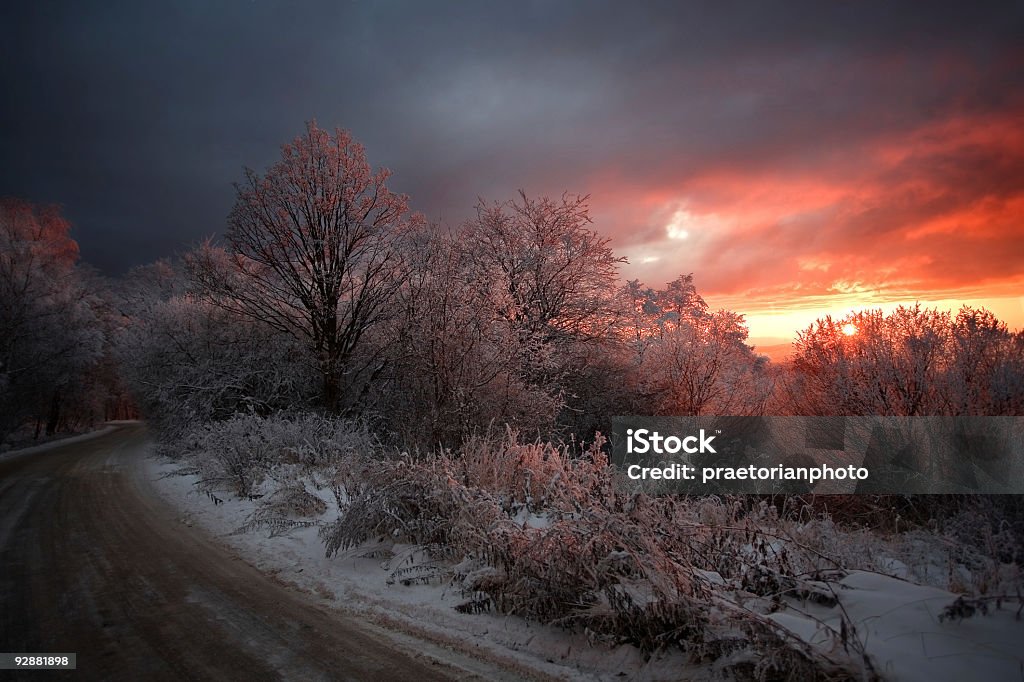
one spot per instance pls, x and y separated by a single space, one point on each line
934 214
798 158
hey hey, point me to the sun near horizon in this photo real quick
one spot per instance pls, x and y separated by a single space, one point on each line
773 331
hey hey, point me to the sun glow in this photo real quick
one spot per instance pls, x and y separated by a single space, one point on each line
849 329
677 227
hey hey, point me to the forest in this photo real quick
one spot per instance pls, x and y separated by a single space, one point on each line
342 364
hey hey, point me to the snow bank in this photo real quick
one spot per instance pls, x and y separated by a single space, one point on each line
901 626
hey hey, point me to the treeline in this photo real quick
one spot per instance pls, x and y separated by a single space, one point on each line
58 370
328 294
912 362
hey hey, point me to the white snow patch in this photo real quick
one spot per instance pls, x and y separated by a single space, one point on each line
898 624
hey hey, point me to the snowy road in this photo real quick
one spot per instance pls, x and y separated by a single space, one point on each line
92 562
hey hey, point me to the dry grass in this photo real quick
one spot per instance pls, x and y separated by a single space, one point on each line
533 531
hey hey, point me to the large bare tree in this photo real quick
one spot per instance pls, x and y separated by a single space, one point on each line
313 249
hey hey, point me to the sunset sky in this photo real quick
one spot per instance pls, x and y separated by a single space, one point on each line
798 160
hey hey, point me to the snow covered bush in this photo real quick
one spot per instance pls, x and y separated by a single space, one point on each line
539 532
189 362
239 453
530 477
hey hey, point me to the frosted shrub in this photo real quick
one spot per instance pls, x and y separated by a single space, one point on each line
314 440
531 530
598 573
238 454
542 531
288 505
399 500
531 476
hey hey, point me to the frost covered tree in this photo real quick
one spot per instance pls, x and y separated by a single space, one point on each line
313 249
545 272
49 331
913 361
189 361
704 366
984 367
547 283
455 366
503 321
639 323
648 313
679 302
686 360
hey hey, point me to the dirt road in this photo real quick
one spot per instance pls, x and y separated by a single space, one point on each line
92 562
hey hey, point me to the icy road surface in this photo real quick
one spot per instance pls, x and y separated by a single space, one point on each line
92 562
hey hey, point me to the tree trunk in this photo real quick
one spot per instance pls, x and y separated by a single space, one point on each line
331 390
54 419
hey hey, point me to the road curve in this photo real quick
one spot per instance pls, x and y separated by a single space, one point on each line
93 563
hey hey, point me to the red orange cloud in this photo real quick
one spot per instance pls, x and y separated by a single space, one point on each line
933 214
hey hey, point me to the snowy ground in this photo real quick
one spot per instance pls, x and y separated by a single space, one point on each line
63 440
898 623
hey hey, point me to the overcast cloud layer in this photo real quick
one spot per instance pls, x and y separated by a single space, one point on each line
787 155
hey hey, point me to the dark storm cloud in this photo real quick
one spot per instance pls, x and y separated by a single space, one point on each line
138 117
